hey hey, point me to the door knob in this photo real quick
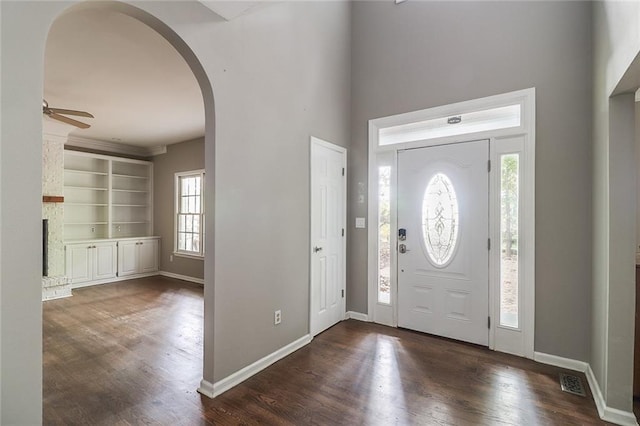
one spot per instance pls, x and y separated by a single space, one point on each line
402 248
317 249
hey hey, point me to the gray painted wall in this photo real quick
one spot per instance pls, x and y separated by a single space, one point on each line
280 75
180 157
424 54
21 210
286 78
616 45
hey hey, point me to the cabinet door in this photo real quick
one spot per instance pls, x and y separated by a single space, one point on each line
78 263
127 258
104 261
148 250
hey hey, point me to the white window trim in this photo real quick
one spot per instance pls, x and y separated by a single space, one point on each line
176 191
517 139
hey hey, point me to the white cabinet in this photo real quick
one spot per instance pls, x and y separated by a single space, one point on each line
137 256
91 261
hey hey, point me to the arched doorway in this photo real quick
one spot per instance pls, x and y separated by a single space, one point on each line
21 305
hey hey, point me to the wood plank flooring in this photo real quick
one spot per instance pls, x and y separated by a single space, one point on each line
130 353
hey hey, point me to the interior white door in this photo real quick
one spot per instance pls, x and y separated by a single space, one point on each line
328 213
443 257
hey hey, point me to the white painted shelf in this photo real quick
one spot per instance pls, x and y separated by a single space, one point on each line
107 197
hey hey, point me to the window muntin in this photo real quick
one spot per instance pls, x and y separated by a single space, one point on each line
471 122
440 219
384 234
190 213
509 241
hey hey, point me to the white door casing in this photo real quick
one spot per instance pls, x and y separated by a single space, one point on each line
510 139
328 235
443 277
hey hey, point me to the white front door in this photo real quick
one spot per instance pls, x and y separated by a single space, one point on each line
328 192
443 230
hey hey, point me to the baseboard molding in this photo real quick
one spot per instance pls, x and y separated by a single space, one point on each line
612 415
64 296
113 280
213 390
357 316
558 361
206 388
609 414
182 277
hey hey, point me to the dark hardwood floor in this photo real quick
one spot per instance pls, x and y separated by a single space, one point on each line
131 353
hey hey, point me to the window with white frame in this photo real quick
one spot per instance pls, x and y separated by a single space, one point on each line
189 207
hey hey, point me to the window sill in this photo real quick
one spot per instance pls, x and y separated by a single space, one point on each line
188 256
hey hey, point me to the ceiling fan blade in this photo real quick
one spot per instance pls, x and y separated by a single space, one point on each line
71 112
69 120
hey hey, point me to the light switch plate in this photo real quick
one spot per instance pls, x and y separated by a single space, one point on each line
360 223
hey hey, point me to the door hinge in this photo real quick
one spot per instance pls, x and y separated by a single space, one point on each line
343 171
488 165
343 232
343 293
488 322
488 243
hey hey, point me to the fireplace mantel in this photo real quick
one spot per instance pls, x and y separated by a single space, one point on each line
52 199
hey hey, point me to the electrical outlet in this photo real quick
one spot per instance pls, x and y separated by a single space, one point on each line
93 229
277 317
170 258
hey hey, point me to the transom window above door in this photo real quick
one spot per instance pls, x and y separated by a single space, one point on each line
483 120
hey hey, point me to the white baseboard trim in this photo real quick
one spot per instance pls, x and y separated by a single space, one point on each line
558 361
609 414
182 277
64 296
207 389
113 280
357 316
612 415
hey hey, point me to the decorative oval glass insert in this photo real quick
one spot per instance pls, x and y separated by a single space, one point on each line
440 219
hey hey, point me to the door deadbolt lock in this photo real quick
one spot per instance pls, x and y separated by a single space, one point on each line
402 248
402 234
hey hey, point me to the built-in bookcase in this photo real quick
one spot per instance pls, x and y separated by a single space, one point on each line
107 197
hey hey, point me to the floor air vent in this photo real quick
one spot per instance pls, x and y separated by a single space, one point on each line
572 384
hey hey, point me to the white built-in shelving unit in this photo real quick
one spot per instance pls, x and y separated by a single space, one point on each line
107 197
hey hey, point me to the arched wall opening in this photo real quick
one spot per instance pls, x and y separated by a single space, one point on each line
21 158
200 74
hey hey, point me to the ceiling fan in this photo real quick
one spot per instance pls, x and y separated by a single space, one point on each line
55 113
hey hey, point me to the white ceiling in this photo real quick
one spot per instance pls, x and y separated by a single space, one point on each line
137 86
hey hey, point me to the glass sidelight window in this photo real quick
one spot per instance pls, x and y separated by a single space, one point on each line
509 242
384 234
